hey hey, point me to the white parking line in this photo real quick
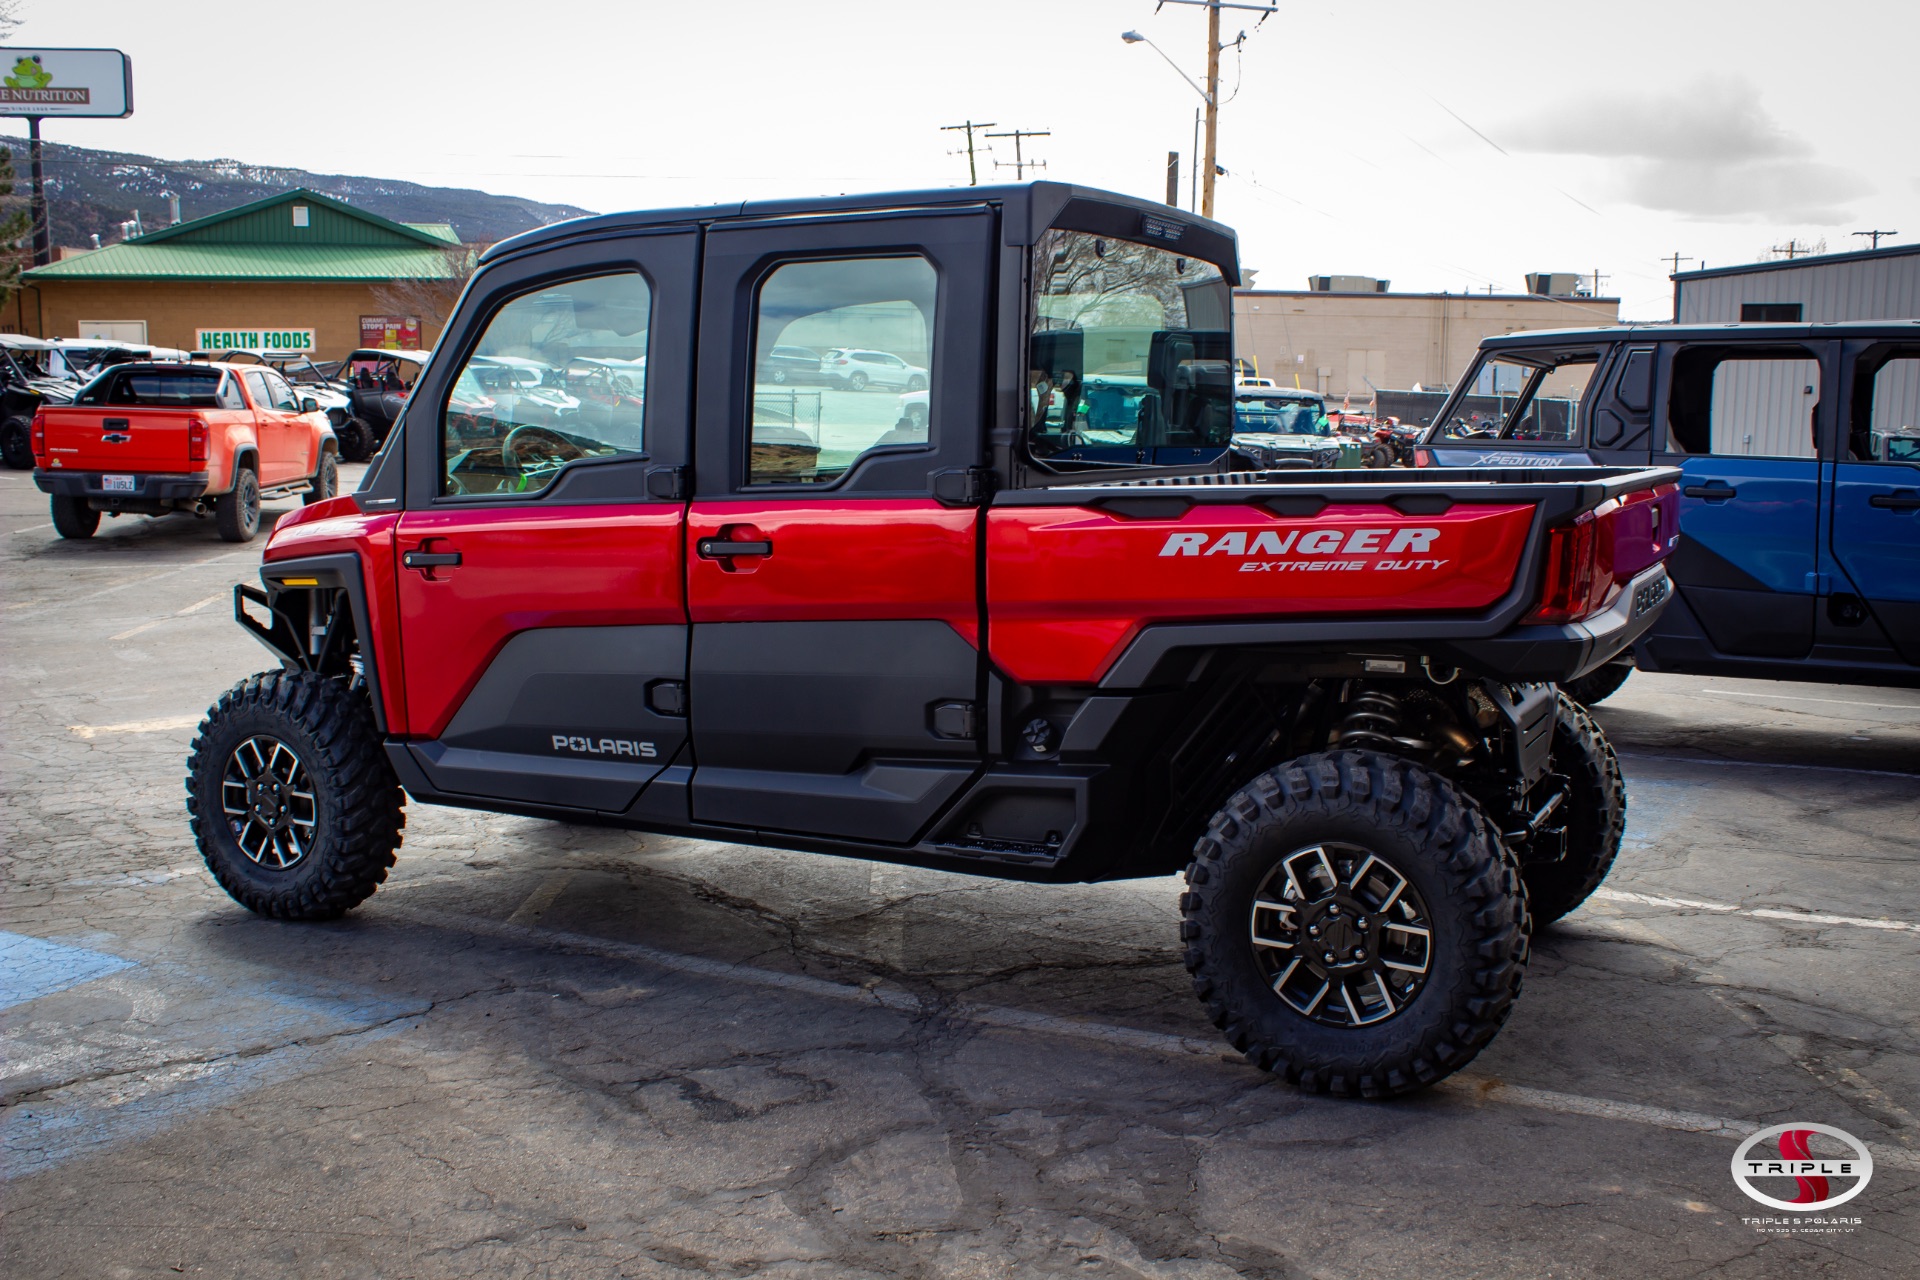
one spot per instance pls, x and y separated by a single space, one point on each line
166 724
142 580
195 607
35 528
1469 1086
1758 913
1766 764
1843 702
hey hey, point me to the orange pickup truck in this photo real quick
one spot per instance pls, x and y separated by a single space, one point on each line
211 439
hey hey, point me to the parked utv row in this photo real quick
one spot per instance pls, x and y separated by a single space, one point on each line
720 606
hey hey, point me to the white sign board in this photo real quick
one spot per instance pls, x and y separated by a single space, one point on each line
65 82
253 340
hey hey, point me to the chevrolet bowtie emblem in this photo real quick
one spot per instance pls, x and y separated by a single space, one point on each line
115 437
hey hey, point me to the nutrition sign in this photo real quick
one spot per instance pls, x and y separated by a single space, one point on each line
253 340
65 82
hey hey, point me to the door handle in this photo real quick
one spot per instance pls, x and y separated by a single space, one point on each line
430 559
1898 500
725 549
1714 491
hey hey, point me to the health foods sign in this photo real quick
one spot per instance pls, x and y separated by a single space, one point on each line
253 340
65 82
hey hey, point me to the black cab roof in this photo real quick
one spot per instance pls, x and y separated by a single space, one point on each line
1027 209
1729 331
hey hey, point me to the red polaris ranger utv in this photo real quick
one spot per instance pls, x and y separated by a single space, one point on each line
1045 630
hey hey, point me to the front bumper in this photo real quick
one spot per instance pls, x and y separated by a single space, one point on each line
149 487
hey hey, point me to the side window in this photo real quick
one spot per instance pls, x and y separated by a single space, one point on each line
257 390
1528 397
1886 407
228 395
282 394
559 375
1744 402
872 318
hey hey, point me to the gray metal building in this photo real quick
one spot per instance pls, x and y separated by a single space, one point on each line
1873 284
1761 407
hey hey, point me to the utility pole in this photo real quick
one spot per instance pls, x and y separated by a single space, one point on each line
1792 248
37 202
1597 278
1676 258
973 175
1020 163
1876 235
1173 178
1209 158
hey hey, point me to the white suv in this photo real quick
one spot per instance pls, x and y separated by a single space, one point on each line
856 370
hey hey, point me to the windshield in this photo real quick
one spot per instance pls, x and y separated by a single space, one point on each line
1129 352
1521 397
1255 415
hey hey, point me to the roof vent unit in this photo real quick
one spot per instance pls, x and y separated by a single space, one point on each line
1346 284
1556 284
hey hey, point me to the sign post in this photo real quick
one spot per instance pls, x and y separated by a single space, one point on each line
38 83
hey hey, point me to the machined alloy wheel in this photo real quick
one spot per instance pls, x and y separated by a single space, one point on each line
269 802
1354 924
1342 935
856 381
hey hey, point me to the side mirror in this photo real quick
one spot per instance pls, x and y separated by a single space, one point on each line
309 405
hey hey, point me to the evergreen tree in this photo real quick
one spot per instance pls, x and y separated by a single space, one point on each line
15 227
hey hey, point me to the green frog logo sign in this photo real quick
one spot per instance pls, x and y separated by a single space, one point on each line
29 74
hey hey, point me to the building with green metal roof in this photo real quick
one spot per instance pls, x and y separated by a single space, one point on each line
296 271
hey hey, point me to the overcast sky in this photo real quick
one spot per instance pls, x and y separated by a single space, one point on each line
1446 146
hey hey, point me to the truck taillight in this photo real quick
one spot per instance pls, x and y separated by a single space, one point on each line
1589 559
1421 458
1577 585
39 436
196 440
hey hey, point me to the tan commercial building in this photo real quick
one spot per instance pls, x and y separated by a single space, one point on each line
1346 343
298 271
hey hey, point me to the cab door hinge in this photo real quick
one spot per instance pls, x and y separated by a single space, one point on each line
669 483
962 486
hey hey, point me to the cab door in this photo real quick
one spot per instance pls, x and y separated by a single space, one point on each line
834 594
1875 588
270 428
543 615
1742 421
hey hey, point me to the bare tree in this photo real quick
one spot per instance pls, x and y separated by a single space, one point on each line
429 298
15 226
10 18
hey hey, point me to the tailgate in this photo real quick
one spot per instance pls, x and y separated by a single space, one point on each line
118 439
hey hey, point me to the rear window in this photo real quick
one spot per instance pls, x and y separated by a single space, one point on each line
161 389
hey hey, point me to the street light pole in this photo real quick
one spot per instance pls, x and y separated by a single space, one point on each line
1209 162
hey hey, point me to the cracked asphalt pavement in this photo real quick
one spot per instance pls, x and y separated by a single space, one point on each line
545 1050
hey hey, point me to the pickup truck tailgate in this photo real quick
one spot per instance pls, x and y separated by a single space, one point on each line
118 439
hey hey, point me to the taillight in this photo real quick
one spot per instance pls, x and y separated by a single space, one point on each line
39 436
196 440
1421 458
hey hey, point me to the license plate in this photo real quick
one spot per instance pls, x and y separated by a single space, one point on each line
116 484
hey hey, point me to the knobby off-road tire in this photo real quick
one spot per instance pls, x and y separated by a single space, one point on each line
1596 817
270 741
73 518
16 442
1598 684
237 515
356 440
326 481
1462 885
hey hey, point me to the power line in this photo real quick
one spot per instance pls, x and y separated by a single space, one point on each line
973 175
1020 163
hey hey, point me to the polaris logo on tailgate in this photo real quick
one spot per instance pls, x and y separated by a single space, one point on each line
603 746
